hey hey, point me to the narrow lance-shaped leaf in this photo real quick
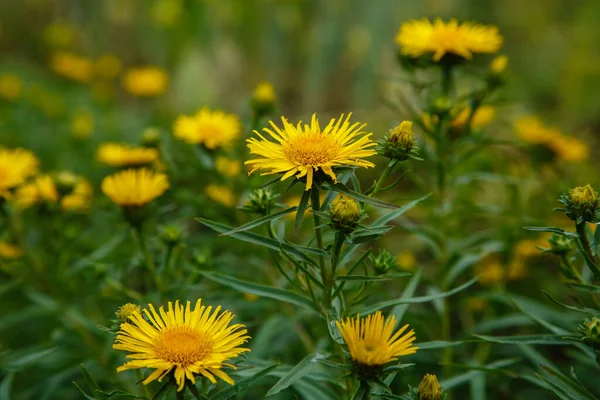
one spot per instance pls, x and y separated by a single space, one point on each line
241 385
260 221
301 210
298 372
339 187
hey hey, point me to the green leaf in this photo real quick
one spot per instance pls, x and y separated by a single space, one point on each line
458 380
5 386
399 212
440 344
584 287
551 229
573 308
369 234
89 380
242 384
341 188
295 374
84 394
413 300
119 393
470 259
399 310
260 221
575 389
261 290
366 278
301 210
526 339
394 368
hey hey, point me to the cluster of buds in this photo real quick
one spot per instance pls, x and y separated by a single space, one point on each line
582 204
383 262
429 389
399 143
344 214
260 201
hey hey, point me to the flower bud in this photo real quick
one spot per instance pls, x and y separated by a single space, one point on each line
260 201
66 182
170 235
127 310
590 329
430 389
345 213
498 65
151 138
399 144
403 136
582 204
559 244
383 262
263 98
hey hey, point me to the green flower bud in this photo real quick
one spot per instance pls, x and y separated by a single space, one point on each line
65 182
151 138
170 235
399 144
260 201
430 389
582 204
590 329
559 244
383 262
345 213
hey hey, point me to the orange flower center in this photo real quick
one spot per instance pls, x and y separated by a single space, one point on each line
183 345
312 149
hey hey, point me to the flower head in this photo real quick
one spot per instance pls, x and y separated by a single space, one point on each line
498 65
304 150
80 197
590 329
420 37
227 167
406 260
123 155
371 341
188 342
482 117
429 388
345 213
16 165
490 272
134 187
10 87
10 251
46 189
221 194
213 129
582 204
264 93
126 311
72 66
146 81
399 144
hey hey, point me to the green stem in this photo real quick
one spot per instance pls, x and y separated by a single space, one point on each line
586 246
148 259
316 206
386 172
140 378
338 243
363 391
446 80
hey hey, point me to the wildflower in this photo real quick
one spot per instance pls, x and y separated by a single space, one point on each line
213 129
123 155
419 37
134 187
220 194
490 272
498 65
263 98
151 138
46 189
82 125
482 117
399 144
304 151
430 389
261 201
126 311
570 149
372 343
227 167
170 235
10 251
516 270
383 262
560 245
146 81
532 130
16 165
187 342
107 67
10 87
79 199
60 34
406 260
345 213
25 196
582 204
72 66
590 330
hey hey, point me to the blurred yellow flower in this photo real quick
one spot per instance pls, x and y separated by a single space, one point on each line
482 117
499 64
476 304
16 165
60 34
227 167
46 189
10 87
305 150
213 129
82 125
72 66
490 272
165 13
134 187
418 37
123 155
10 251
146 81
25 195
127 310
107 66
185 341
79 199
371 341
570 149
406 260
221 194
516 270
264 93
250 296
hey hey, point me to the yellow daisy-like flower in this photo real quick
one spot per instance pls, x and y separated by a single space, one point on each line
212 129
570 148
10 87
191 343
220 194
123 155
227 167
371 340
46 189
10 251
134 187
146 81
420 37
16 165
481 118
304 150
80 199
264 93
72 66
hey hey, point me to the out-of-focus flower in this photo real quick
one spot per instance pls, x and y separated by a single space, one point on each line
185 341
79 199
304 151
570 149
406 260
490 272
46 189
123 155
25 195
498 65
146 81
126 311
72 66
165 13
419 37
11 87
481 118
16 165
228 167
134 187
221 194
60 34
9 251
82 125
107 66
264 93
151 138
213 129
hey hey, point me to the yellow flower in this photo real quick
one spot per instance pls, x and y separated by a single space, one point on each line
192 343
26 195
146 81
60 34
107 66
304 150
581 195
220 194
403 135
499 64
490 272
227 167
127 310
264 93
16 165
82 125
165 13
10 87
46 189
212 129
429 388
79 199
532 130
370 340
406 260
570 148
10 251
345 213
123 155
134 187
72 66
482 117
420 37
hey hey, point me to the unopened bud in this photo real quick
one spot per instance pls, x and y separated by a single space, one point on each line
498 65
582 204
429 388
590 329
126 311
151 138
260 201
345 213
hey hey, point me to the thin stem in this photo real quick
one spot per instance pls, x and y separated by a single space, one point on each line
586 246
316 206
386 172
363 391
337 250
148 259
